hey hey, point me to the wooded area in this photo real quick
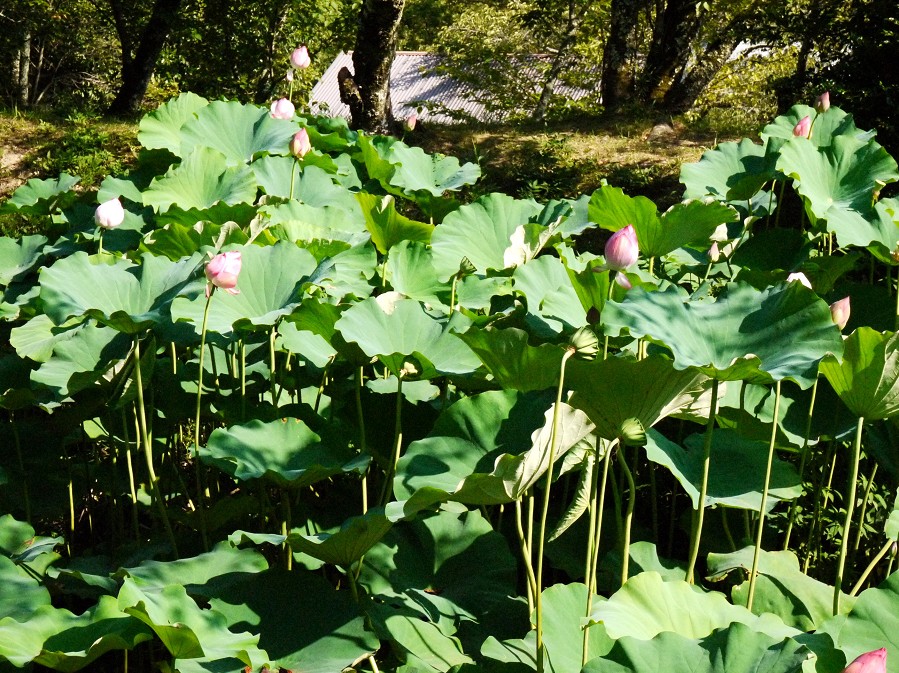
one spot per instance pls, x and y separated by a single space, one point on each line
661 54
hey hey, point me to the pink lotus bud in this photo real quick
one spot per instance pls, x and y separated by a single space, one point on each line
299 144
299 58
714 252
822 102
222 271
803 128
839 312
870 662
622 280
621 249
283 109
109 214
410 122
801 277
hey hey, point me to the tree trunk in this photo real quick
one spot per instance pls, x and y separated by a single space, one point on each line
689 84
619 53
138 69
571 28
23 71
367 91
675 28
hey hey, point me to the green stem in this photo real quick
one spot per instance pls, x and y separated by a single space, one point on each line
861 512
148 449
704 488
593 561
553 446
387 490
293 173
362 442
803 456
198 480
629 513
761 523
850 506
526 556
18 444
877 559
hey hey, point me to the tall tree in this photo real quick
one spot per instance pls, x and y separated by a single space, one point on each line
140 52
619 55
367 90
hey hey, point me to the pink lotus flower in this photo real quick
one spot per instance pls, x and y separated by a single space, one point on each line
839 312
870 662
222 271
803 128
283 109
299 144
822 102
109 214
801 277
621 249
410 122
299 58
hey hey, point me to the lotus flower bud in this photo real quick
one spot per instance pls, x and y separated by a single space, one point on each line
289 75
621 249
299 58
714 252
822 102
801 277
584 343
839 312
222 271
410 122
282 109
109 214
803 128
299 144
622 281
870 662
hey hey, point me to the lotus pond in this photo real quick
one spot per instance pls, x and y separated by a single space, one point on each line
328 407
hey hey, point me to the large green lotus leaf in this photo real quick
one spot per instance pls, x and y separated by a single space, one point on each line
733 171
870 624
186 630
838 183
317 188
647 605
615 391
612 209
781 587
736 649
194 572
274 173
78 362
123 295
425 644
40 198
330 638
161 129
553 303
348 544
782 331
416 171
456 558
513 362
176 240
19 256
388 227
236 130
867 380
400 330
36 339
20 595
293 221
826 127
65 642
228 217
450 467
410 271
467 439
891 527
284 451
749 408
348 273
271 282
311 346
685 224
480 231
201 180
737 474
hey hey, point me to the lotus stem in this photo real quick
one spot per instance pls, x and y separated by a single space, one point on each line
293 172
877 559
18 444
863 509
362 442
553 446
273 334
760 528
850 506
629 513
525 555
201 504
704 488
387 489
148 448
803 456
131 482
593 561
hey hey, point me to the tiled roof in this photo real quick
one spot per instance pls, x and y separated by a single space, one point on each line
414 83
